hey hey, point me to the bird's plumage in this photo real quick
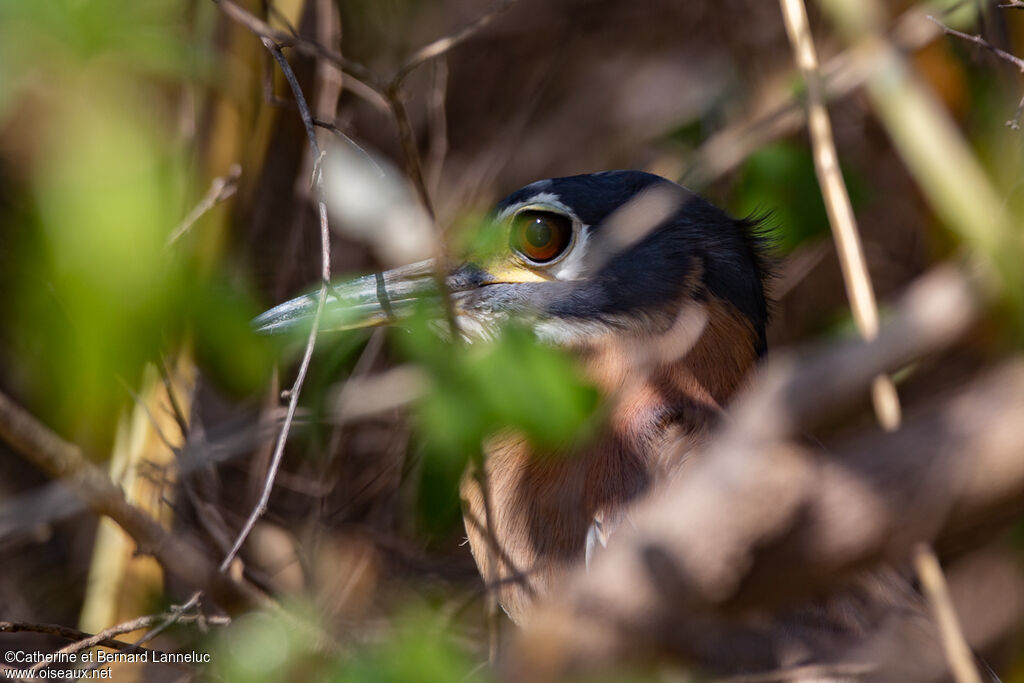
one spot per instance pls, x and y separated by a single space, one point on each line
652 274
661 296
694 274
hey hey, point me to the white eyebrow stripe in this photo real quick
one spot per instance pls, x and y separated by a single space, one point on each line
548 199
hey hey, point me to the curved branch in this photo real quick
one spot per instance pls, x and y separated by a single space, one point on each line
62 460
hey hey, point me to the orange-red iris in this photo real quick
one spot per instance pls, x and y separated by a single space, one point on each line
540 236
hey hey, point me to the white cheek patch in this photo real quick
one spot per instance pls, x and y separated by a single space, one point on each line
572 267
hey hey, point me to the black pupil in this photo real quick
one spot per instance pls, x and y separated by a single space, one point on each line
538 233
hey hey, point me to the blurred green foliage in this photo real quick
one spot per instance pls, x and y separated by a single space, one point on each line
479 239
63 39
418 648
1000 151
780 178
955 13
477 390
93 290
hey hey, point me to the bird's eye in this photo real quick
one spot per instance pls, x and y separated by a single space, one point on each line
540 236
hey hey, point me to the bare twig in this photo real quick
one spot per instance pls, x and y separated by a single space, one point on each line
307 47
325 277
437 118
749 485
1014 123
327 125
392 94
841 74
172 399
760 522
177 615
981 42
410 151
104 639
273 11
443 45
56 500
221 189
494 573
64 461
84 641
390 91
958 653
414 169
933 147
330 80
837 202
153 422
1016 61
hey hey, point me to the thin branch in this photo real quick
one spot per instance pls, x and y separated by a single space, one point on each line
325 277
333 128
410 151
932 146
221 189
177 615
84 641
1016 61
837 202
172 398
842 74
493 592
761 521
272 10
310 48
955 647
981 42
54 501
153 423
1014 123
437 122
444 45
62 460
391 93
103 639
330 80
414 169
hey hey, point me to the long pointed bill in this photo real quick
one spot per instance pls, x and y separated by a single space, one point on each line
368 301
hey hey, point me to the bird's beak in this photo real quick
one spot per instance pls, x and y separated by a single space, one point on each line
370 301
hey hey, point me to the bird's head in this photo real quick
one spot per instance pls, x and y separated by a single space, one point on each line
582 257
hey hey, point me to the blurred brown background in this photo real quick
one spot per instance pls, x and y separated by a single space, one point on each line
701 92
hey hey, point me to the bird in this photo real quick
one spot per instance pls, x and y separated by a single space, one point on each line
661 297
658 293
